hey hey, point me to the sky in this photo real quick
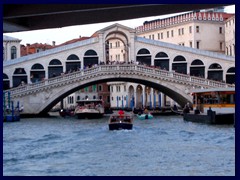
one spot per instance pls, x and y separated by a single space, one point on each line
61 35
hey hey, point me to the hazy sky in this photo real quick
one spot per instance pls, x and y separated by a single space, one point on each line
61 35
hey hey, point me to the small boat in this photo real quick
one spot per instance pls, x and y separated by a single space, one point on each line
212 106
89 109
176 110
145 116
120 121
66 112
11 114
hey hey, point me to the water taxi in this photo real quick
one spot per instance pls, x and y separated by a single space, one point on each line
89 109
120 121
212 106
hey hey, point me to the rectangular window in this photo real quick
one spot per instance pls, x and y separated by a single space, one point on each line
94 88
221 46
190 44
149 36
190 29
110 46
99 88
198 44
161 35
179 32
86 89
182 31
197 29
172 32
220 30
153 36
158 36
167 34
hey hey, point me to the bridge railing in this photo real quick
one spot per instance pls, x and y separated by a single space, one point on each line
119 69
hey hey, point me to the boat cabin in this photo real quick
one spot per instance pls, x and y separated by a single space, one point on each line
221 100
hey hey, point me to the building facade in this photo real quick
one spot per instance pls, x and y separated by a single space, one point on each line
200 30
11 48
230 36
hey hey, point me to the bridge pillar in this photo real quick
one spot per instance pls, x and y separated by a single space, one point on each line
135 98
144 97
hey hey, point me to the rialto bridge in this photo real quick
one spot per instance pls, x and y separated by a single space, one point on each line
47 83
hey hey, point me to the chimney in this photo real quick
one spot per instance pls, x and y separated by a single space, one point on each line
27 49
53 43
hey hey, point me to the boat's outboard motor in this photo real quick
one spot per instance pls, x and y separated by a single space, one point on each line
146 116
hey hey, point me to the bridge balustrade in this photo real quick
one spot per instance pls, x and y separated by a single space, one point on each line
118 69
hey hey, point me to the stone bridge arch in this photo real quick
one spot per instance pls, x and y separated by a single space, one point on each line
167 88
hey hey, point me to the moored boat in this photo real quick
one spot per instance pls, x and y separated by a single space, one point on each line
120 121
145 116
212 106
89 109
66 112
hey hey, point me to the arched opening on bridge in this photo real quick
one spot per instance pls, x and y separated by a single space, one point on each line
230 75
116 47
148 97
37 73
162 61
144 57
139 96
179 65
73 63
197 68
215 72
6 82
131 97
55 68
90 58
19 77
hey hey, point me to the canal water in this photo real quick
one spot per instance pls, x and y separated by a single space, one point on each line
163 146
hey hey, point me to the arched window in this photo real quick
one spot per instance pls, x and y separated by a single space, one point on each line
55 68
215 72
162 61
73 63
179 65
230 75
144 56
73 57
197 68
13 52
90 53
197 62
90 58
37 73
19 76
